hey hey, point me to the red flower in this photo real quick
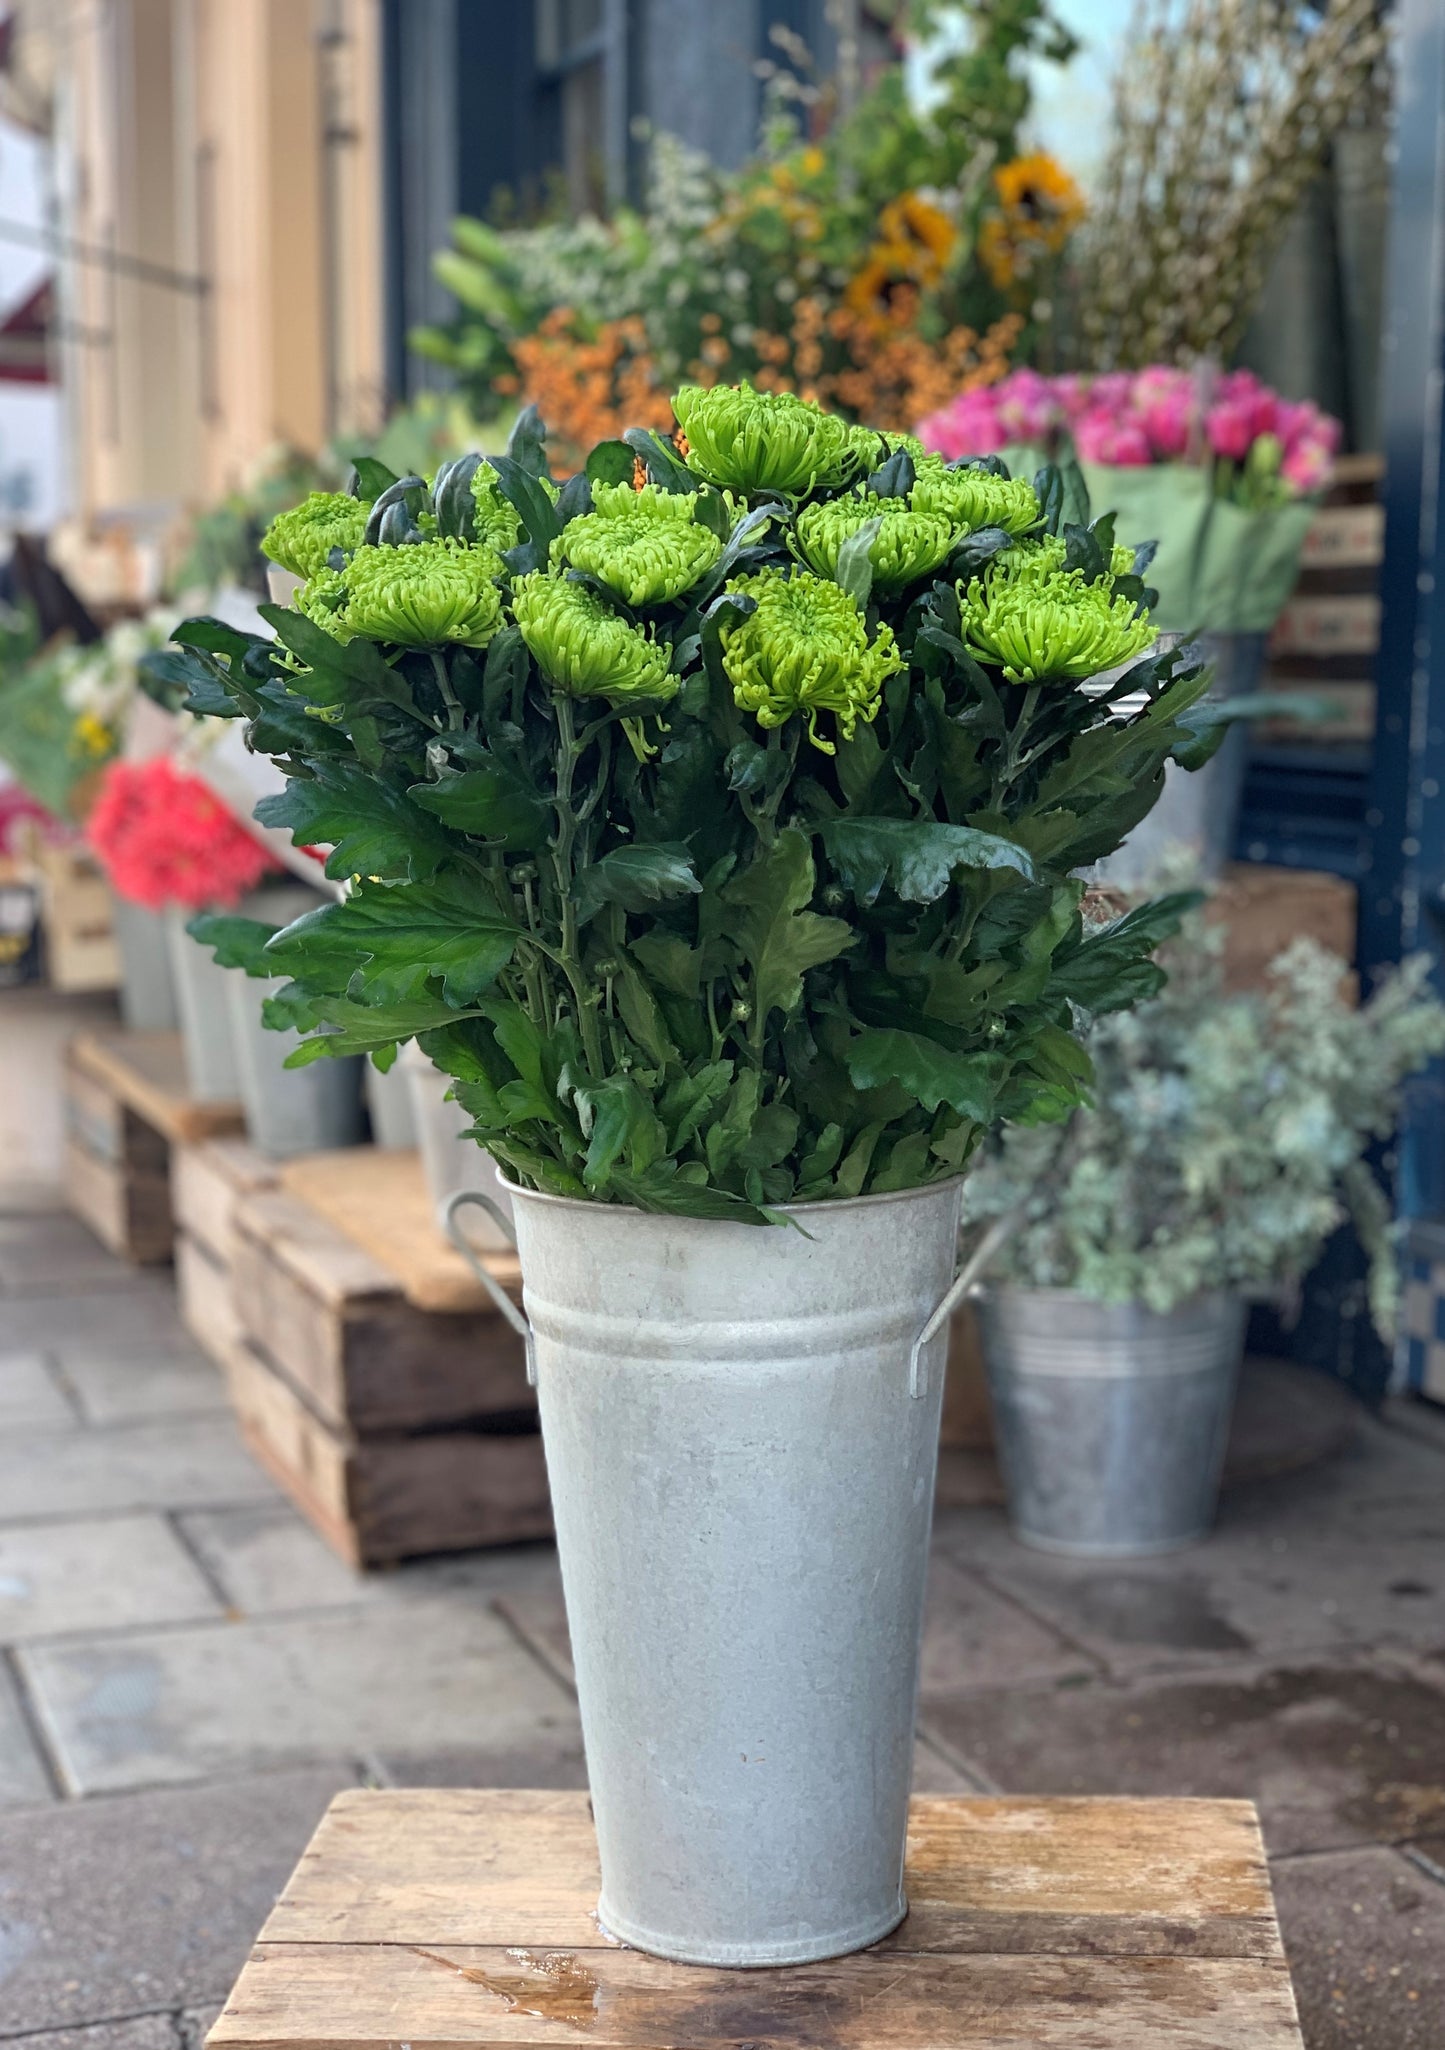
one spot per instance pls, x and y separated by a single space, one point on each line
163 838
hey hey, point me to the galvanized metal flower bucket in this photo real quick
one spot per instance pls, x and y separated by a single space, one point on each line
212 1072
1111 1418
741 1426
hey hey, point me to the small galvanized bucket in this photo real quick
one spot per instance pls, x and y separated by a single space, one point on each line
212 1072
741 1426
288 1110
1111 1418
450 1160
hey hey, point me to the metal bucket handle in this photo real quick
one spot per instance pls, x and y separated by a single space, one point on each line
494 1288
964 1283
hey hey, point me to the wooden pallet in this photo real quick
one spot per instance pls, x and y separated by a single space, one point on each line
1326 639
208 1181
424 1916
126 1106
397 1429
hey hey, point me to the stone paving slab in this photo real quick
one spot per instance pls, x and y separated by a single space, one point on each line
1336 1755
115 1573
412 1678
270 1563
31 1398
147 1900
170 1464
140 2032
1364 1932
23 1777
114 1386
1248 1591
43 1250
136 1317
974 1637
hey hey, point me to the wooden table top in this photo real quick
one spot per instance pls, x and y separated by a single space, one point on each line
423 1917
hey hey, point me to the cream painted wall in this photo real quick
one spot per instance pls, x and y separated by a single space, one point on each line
236 140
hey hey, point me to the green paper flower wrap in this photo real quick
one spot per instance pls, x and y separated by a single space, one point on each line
302 539
970 499
908 545
749 441
583 648
645 545
805 649
1039 622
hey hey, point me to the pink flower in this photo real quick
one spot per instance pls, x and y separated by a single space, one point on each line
1100 438
967 426
1026 405
1306 465
1230 428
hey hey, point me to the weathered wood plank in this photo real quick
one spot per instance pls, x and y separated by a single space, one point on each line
129 1213
422 1995
336 1322
147 1071
378 1499
378 1201
208 1181
207 1306
407 1867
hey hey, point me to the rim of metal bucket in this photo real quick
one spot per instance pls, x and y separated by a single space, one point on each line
780 1209
1046 1292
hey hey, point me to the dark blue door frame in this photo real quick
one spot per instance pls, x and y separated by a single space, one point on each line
1402 884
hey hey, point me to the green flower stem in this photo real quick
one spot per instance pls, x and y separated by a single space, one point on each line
1014 761
453 703
570 752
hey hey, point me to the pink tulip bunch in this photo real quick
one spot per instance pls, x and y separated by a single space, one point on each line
1264 447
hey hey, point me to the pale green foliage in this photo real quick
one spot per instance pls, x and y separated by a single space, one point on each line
1227 1138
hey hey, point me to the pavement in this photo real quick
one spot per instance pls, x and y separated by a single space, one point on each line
188 1674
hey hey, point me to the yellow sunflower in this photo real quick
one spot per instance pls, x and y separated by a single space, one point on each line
1039 208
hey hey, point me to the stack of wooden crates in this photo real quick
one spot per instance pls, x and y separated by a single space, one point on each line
369 1371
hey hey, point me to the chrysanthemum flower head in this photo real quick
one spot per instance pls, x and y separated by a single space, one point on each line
498 523
646 545
909 545
424 595
970 499
583 648
1039 622
805 649
749 441
302 538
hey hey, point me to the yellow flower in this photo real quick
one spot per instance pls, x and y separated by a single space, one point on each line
926 231
92 735
1039 208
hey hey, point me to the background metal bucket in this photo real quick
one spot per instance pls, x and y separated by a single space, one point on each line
741 1426
200 986
1111 1419
450 1161
147 988
288 1110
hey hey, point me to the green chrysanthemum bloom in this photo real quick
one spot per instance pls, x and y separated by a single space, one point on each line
425 594
970 499
302 538
907 546
583 648
752 441
805 649
498 523
1046 624
645 545
323 600
866 441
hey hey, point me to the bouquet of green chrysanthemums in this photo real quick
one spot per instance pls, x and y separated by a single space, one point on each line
714 818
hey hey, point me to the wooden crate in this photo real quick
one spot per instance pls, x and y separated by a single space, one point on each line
1325 641
126 1105
1263 909
423 1916
75 917
397 1429
208 1181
